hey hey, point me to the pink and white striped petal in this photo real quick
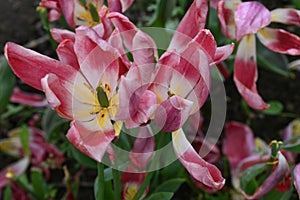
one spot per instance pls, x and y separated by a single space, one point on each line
286 16
119 5
30 99
31 66
60 35
297 178
66 54
245 73
280 41
200 170
250 17
91 143
222 53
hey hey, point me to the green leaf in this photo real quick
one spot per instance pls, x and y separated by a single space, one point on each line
296 3
160 196
163 13
8 81
171 185
51 121
82 159
292 147
275 108
39 184
273 194
108 191
24 137
7 193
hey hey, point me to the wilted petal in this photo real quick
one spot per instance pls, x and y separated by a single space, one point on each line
13 170
273 39
297 178
226 9
245 73
193 22
143 148
250 17
286 16
172 113
272 180
200 170
238 142
25 98
31 66
92 144
140 44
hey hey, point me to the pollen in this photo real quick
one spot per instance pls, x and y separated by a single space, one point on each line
10 173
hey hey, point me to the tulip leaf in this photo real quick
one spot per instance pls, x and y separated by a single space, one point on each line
83 159
8 81
171 185
24 137
292 147
108 191
39 184
160 196
7 193
275 108
296 3
274 194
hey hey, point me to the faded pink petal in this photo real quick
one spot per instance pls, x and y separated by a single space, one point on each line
172 113
140 44
25 98
250 17
60 35
273 39
286 16
91 143
222 53
54 15
297 178
272 180
66 54
195 17
199 169
15 170
245 73
31 66
226 10
238 142
143 148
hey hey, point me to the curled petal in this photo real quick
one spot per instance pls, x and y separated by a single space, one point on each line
200 170
172 113
238 143
119 5
297 178
60 35
272 180
273 39
245 73
143 148
226 9
25 98
193 22
31 66
91 143
286 16
250 17
222 53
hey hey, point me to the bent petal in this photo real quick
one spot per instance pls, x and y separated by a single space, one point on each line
31 66
238 142
245 73
222 53
25 98
193 21
60 35
66 54
286 16
250 17
200 170
297 178
172 113
91 143
119 5
272 180
273 39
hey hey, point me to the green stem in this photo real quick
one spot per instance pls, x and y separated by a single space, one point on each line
100 193
117 184
143 187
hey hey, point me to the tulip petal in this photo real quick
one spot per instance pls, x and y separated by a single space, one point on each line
286 16
30 99
91 143
272 180
140 44
199 169
245 73
226 9
67 8
238 143
193 22
222 53
273 39
31 66
66 54
119 5
60 35
250 17
297 178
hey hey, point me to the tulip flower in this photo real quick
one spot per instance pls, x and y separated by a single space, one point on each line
242 20
82 89
297 178
25 98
